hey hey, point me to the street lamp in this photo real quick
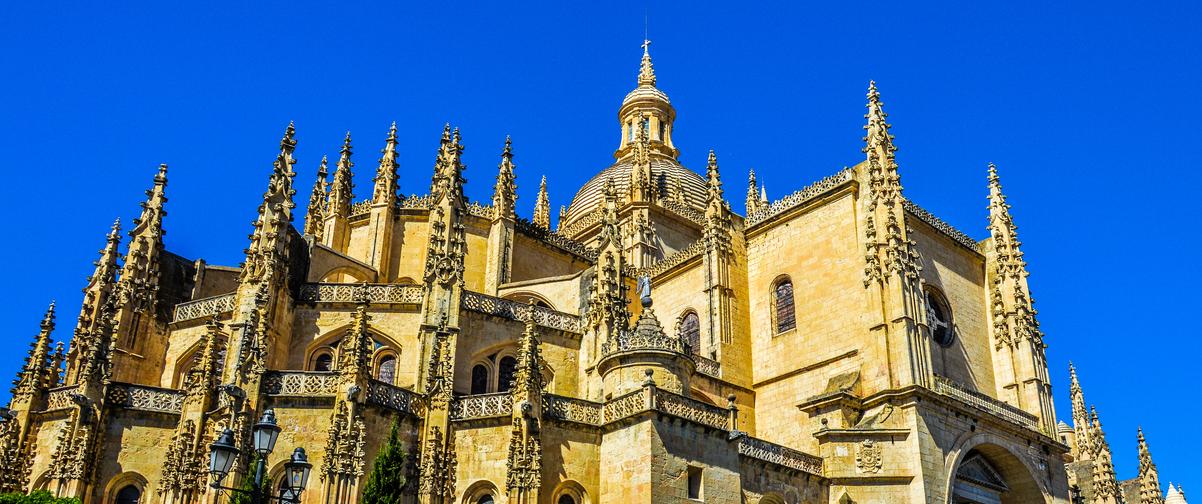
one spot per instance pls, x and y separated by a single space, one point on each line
264 434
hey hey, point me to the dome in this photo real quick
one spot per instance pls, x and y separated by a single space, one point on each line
664 172
645 93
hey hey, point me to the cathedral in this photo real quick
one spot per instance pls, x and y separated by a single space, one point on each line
838 345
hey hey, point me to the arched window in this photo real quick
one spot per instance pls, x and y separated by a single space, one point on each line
284 492
566 499
505 371
939 318
386 370
783 309
487 499
130 494
479 379
323 362
690 332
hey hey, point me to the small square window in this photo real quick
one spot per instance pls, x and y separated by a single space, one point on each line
695 483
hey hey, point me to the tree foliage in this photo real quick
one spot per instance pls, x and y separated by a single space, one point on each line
38 497
387 481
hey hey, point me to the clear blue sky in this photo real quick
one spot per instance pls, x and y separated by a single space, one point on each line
1089 111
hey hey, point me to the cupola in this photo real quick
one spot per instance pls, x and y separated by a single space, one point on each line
648 109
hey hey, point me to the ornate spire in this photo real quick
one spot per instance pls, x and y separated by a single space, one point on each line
1014 314
890 252
1105 484
38 374
355 349
447 183
94 322
717 211
447 244
139 280
523 466
641 186
753 193
1082 427
340 191
713 182
204 377
386 176
563 216
1149 478
269 241
504 194
542 207
316 214
646 70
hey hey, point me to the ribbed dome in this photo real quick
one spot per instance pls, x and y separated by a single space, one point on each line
664 173
645 92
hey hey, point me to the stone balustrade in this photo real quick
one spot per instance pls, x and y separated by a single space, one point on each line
515 310
361 292
60 397
301 383
203 308
142 397
632 340
776 454
395 398
482 406
948 388
570 409
707 366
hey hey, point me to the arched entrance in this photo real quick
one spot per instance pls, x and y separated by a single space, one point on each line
990 474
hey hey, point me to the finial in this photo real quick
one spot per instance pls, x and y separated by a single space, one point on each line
161 177
322 172
346 144
392 131
873 95
48 319
508 152
115 231
288 141
646 70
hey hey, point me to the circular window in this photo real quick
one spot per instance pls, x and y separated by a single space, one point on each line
939 318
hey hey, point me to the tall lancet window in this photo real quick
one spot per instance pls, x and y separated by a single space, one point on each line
690 332
784 310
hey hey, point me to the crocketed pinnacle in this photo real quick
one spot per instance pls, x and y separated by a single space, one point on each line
753 199
1082 426
504 194
316 215
386 174
527 378
646 69
713 182
1105 483
340 191
1002 228
447 183
542 206
1149 477
150 223
37 375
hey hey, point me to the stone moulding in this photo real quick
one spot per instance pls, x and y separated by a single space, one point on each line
514 310
394 398
797 198
581 223
776 454
203 308
948 388
301 383
141 397
685 211
314 293
570 409
941 226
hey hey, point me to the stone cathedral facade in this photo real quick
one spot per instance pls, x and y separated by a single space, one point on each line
838 345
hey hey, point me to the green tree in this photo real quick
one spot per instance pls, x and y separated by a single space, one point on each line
248 483
38 497
386 483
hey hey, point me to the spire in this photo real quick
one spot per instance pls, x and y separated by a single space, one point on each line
641 186
1149 478
316 215
340 191
713 182
447 183
542 207
1081 423
269 241
386 176
563 215
37 374
95 314
504 194
753 193
890 250
524 461
1105 484
646 70
140 274
717 211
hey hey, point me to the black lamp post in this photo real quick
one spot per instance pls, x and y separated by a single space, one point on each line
223 452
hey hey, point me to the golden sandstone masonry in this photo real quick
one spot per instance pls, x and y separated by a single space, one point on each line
839 345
